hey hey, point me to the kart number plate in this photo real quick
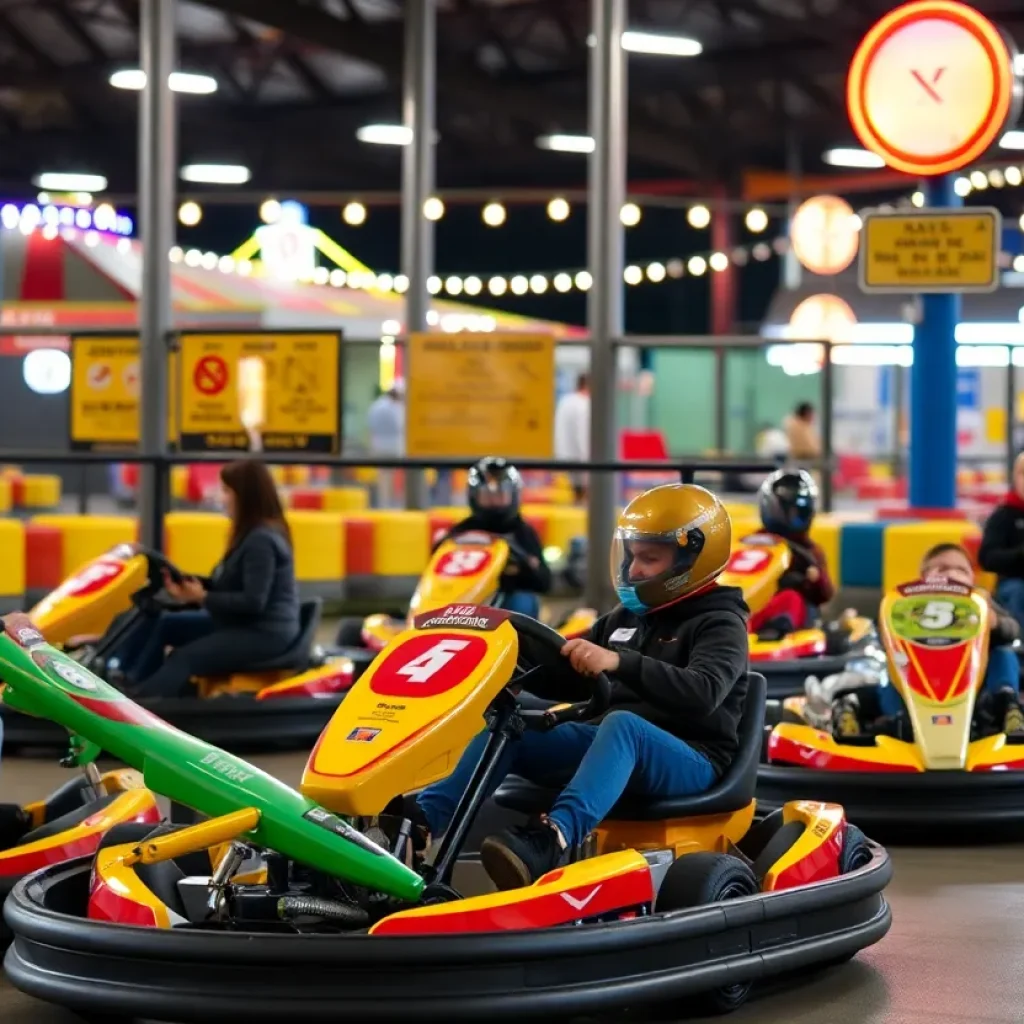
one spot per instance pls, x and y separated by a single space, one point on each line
935 620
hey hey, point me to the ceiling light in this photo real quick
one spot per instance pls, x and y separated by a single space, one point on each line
494 215
180 81
1012 140
354 214
385 134
698 217
190 214
662 46
851 156
558 208
67 181
216 174
566 143
756 220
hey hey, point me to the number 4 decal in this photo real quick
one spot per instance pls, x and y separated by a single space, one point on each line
425 666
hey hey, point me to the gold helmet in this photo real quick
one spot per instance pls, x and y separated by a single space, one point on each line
695 527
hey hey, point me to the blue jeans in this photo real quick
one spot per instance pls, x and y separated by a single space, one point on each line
1010 594
141 655
624 754
1003 673
521 601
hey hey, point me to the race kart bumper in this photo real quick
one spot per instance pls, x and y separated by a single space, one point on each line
165 974
235 722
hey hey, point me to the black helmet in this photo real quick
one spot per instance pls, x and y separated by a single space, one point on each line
494 487
787 501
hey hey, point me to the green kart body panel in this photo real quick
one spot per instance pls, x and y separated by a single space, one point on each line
40 680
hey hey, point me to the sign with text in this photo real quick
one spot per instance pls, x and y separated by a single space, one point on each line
931 251
275 391
477 394
105 394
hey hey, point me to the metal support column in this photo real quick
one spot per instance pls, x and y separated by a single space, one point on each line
419 90
932 441
158 164
606 257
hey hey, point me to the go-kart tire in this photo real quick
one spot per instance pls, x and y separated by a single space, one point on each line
699 879
350 633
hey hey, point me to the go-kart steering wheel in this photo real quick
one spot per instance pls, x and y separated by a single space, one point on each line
544 646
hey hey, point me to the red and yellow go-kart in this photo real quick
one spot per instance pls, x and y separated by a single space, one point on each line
69 823
283 702
756 565
946 762
465 569
169 926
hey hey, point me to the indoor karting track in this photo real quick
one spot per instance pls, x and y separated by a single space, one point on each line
951 958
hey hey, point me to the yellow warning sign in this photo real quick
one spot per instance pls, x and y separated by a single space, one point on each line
472 394
260 392
931 251
105 379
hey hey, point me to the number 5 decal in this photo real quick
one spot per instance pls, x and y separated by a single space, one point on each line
426 665
937 615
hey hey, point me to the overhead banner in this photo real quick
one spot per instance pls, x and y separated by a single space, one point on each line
260 392
104 394
471 395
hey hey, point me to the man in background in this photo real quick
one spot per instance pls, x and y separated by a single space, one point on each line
385 420
804 443
572 432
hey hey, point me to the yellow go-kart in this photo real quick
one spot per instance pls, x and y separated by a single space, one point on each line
465 569
757 565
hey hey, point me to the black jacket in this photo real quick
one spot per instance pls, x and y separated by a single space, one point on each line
524 537
254 586
1002 543
682 668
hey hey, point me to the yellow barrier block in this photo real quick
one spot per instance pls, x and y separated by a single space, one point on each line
179 482
318 539
564 523
401 541
364 475
880 471
87 537
6 495
41 491
741 510
12 558
743 526
826 533
905 544
297 476
278 475
346 499
196 541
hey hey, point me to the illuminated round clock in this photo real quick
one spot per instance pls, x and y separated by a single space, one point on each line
825 234
931 87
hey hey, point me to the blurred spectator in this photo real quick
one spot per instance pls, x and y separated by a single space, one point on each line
801 434
572 431
385 421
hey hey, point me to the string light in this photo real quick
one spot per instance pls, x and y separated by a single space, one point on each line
519 285
494 215
632 275
433 208
354 214
497 286
558 209
698 217
190 214
473 285
630 215
756 220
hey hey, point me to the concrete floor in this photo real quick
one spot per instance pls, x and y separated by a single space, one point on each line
952 956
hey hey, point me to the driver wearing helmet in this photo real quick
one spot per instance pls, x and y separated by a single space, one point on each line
675 651
787 503
495 489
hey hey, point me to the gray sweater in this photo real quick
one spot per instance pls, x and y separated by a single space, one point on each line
254 586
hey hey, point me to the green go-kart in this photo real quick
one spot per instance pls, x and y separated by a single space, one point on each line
278 902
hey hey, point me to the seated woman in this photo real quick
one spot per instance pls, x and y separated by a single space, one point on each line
676 650
1002 545
246 613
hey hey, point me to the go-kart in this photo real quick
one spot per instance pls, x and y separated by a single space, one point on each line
283 702
946 762
288 903
69 823
465 569
757 565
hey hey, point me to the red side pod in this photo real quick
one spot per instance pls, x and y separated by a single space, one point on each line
821 864
623 895
106 904
323 686
783 751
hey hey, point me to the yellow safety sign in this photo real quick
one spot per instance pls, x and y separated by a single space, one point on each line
260 392
105 394
474 394
931 251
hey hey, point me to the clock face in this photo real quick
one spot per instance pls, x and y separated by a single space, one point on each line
825 234
931 87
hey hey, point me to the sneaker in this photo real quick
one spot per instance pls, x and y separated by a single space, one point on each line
519 856
1013 717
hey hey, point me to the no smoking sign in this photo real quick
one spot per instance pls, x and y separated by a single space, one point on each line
210 375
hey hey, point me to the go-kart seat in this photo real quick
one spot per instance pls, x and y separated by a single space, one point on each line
68 820
297 656
732 792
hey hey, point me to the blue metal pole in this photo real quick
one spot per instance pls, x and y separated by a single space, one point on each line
932 441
